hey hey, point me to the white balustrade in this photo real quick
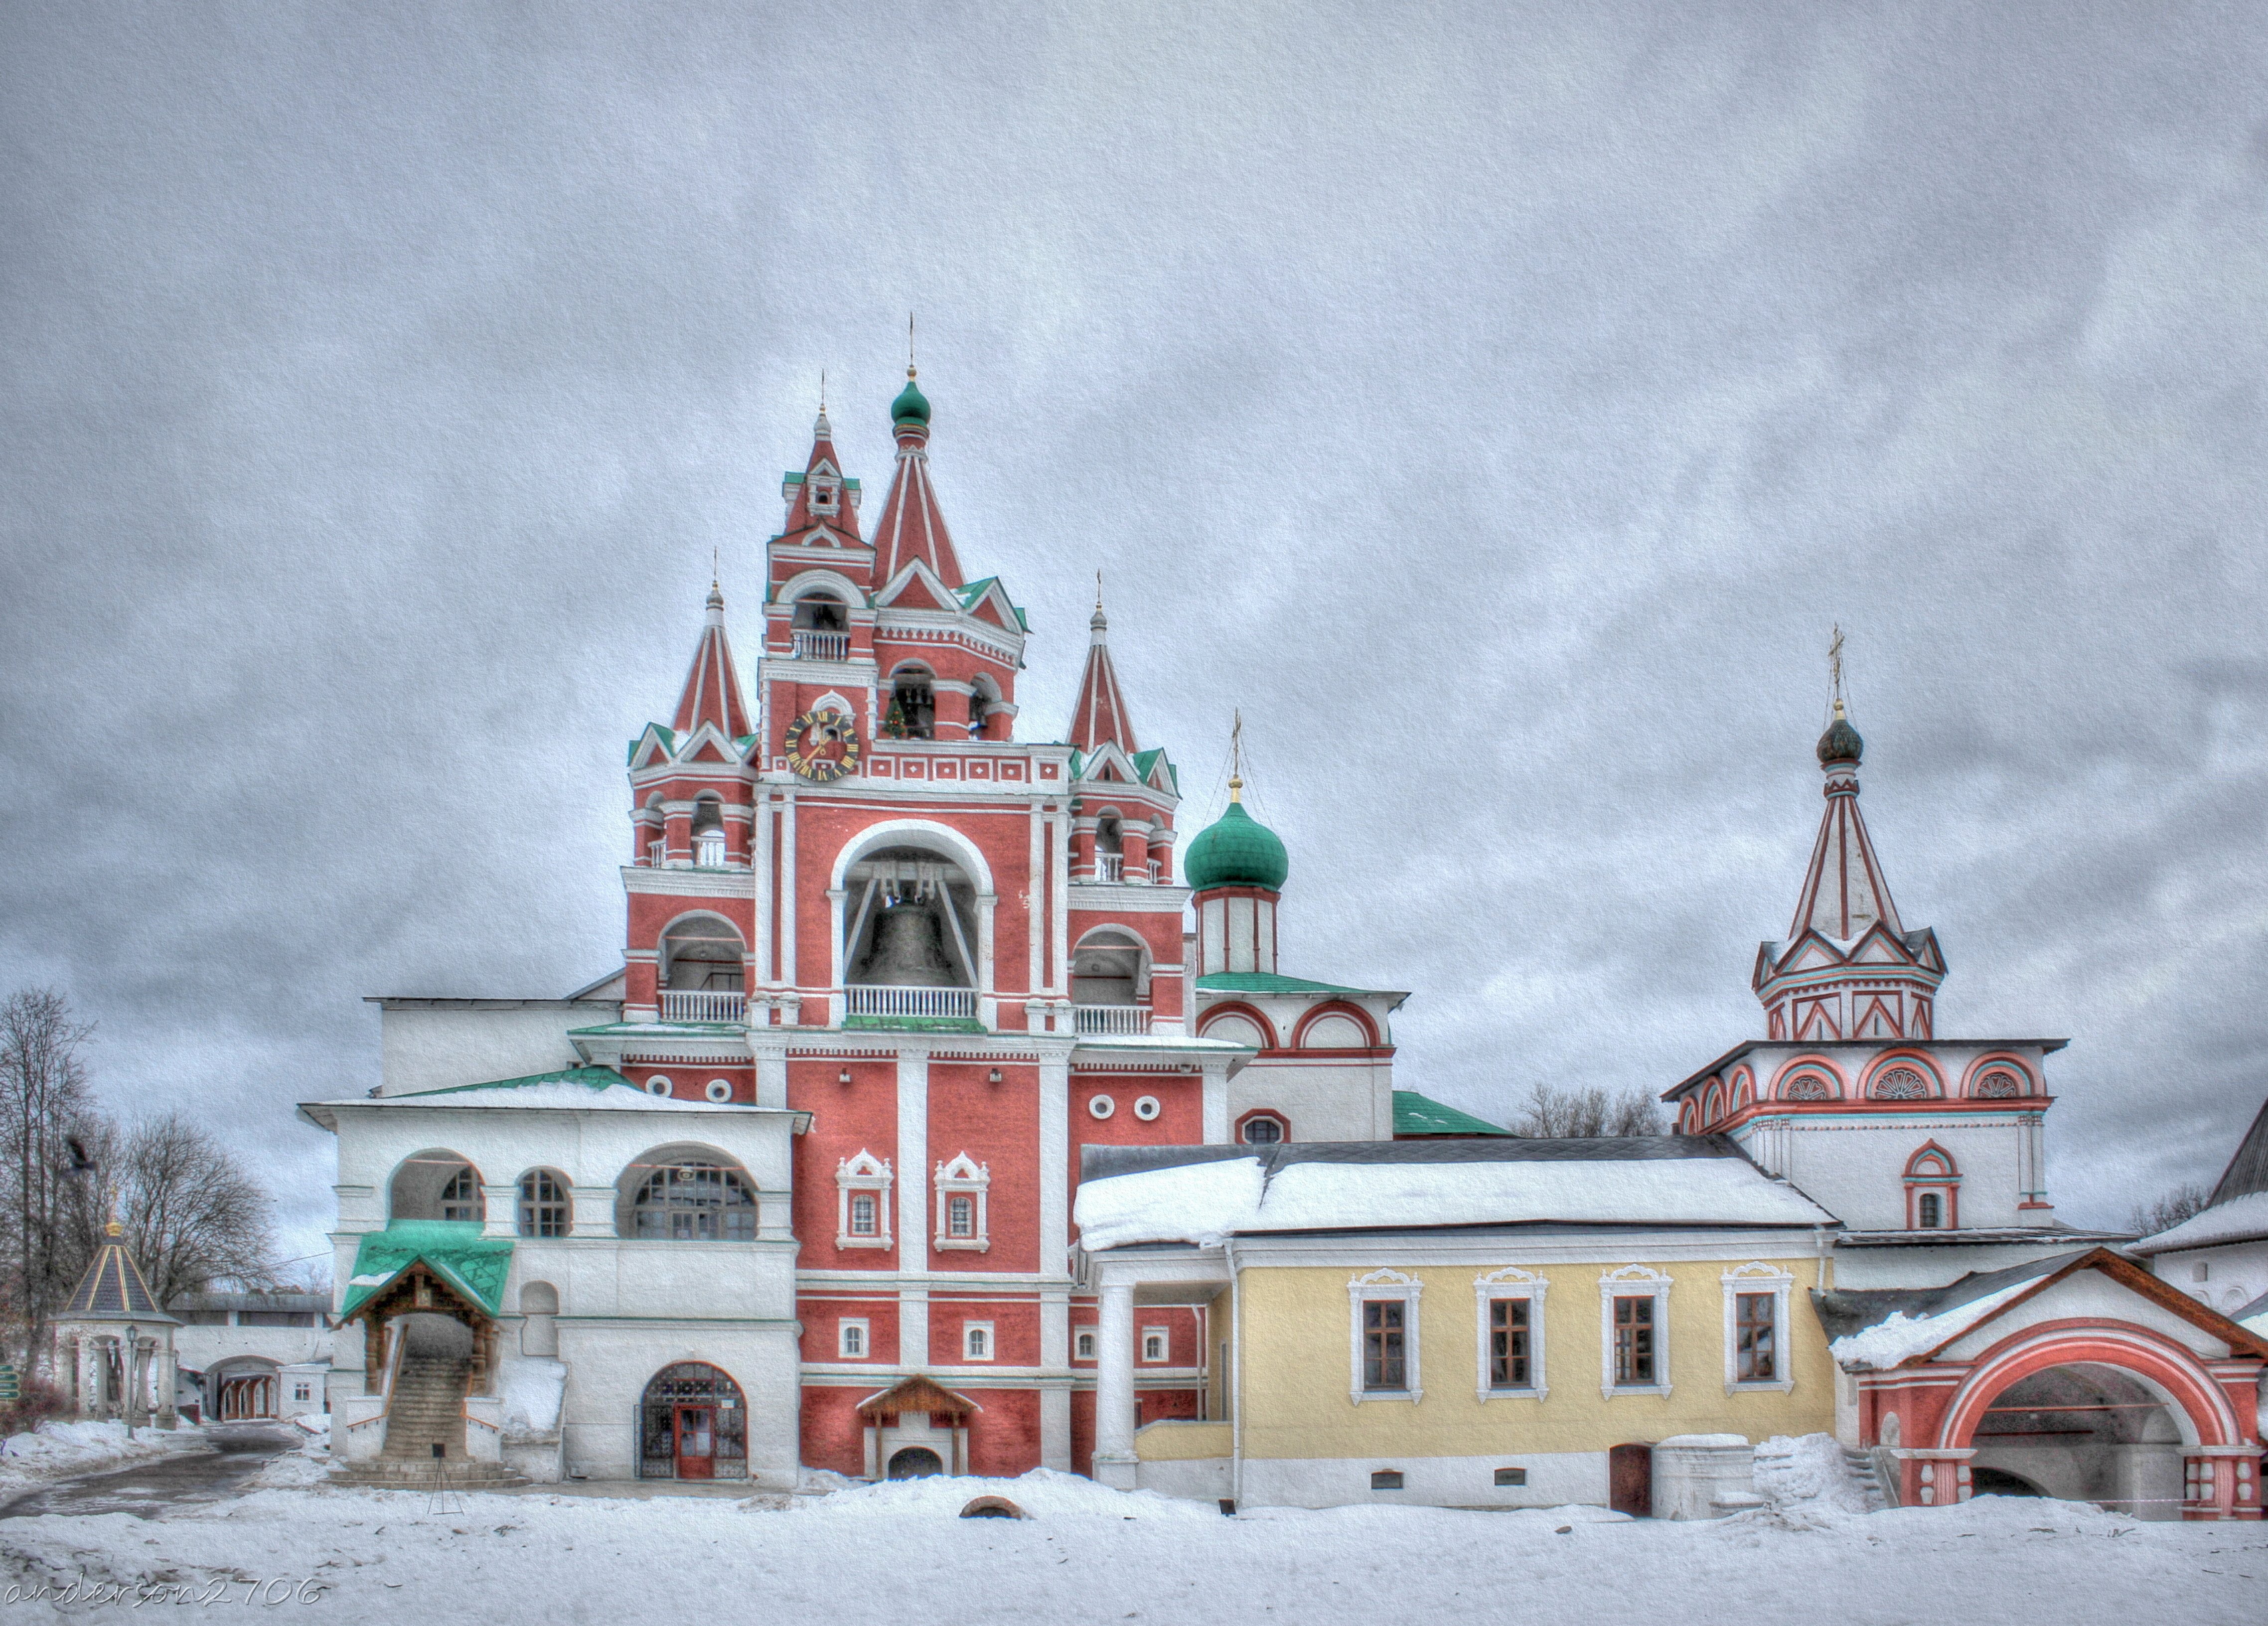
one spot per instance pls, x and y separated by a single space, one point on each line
822 646
870 999
1110 1019
702 1005
1110 866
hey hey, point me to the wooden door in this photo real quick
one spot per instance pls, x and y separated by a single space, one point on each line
696 1442
1629 1480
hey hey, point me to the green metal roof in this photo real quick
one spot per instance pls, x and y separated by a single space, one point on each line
1416 1115
975 590
589 1077
454 1249
911 405
668 741
1268 982
1236 850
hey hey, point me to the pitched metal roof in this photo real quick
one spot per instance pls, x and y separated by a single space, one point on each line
1417 1115
454 1249
112 1289
2248 1171
1100 1162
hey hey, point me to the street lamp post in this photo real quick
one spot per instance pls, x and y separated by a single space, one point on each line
133 1352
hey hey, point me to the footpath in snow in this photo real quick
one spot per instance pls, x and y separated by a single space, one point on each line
1087 1553
57 1450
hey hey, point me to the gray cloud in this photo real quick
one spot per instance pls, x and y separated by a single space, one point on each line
1497 403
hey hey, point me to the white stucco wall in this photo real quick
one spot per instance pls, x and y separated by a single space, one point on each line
437 1044
2234 1276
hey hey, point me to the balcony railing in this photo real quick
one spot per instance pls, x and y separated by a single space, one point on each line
822 646
1108 1020
1110 866
702 1005
867 999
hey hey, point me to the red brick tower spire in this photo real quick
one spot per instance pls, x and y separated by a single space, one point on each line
1101 716
712 688
912 527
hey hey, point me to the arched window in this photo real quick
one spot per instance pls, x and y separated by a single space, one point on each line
1902 1084
1806 1087
1933 1184
696 1203
821 612
460 1198
1263 1130
984 709
692 1424
708 833
543 1207
913 706
701 953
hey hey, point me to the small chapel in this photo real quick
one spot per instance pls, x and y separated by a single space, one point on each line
947 1102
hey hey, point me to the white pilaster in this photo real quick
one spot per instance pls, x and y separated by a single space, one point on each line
913 1323
1216 1103
1113 1387
790 974
913 1215
771 1075
1035 894
762 860
1055 1172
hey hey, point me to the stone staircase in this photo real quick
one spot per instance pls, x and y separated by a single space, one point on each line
1868 1471
427 1408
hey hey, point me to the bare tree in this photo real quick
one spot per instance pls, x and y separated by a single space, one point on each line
2186 1200
1579 1111
193 1216
46 1116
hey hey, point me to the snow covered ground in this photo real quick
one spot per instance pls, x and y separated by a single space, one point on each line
1087 1553
57 1450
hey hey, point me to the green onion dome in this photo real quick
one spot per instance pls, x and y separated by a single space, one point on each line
1841 742
911 405
1237 851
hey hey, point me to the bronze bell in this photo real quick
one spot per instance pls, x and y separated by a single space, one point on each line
908 949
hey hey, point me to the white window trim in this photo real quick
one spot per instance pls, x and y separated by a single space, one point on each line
1757 1277
1143 1344
1084 1335
864 1172
842 1329
991 1341
1633 1282
962 1177
1384 1284
1511 1282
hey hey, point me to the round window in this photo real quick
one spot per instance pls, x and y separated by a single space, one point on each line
1147 1107
720 1089
658 1086
1101 1106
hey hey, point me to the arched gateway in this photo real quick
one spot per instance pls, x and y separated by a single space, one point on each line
693 1425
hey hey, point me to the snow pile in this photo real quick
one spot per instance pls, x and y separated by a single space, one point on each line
1900 1337
2240 1219
1807 1482
1202 1202
56 1449
532 1389
1199 1203
1043 1493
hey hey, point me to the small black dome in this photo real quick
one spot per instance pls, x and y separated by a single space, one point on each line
1840 743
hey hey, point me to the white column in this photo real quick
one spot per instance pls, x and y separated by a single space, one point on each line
790 974
988 1008
1055 1165
760 861
1035 894
838 957
1055 1356
912 1187
1113 1387
913 1320
1055 1429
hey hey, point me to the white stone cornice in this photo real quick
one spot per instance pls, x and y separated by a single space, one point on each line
689 883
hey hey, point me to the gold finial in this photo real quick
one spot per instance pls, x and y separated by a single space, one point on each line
1236 759
910 344
1834 667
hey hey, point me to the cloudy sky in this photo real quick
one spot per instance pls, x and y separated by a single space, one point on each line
1498 403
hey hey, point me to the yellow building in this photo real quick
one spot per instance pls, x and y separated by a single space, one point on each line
1460 1323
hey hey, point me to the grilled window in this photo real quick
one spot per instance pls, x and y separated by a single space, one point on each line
1384 1354
696 1203
460 1198
960 1217
864 1207
543 1207
1634 1341
1508 1343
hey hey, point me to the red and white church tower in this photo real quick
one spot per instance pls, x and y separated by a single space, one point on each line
864 898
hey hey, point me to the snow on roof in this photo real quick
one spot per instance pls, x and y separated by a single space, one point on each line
1902 1337
1390 1185
2240 1219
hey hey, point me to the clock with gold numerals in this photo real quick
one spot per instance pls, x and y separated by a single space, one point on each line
822 746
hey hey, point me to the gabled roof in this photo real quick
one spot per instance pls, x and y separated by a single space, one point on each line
916 1394
1007 612
1100 717
712 687
588 1078
1879 1328
112 1289
2248 1171
454 1249
1416 1115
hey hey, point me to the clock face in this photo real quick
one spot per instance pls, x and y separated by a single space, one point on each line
822 746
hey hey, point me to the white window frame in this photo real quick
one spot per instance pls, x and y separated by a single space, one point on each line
1383 1283
1165 1335
972 1330
962 1177
864 1172
1511 1282
844 1329
1633 1282
1083 1344
1757 1277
